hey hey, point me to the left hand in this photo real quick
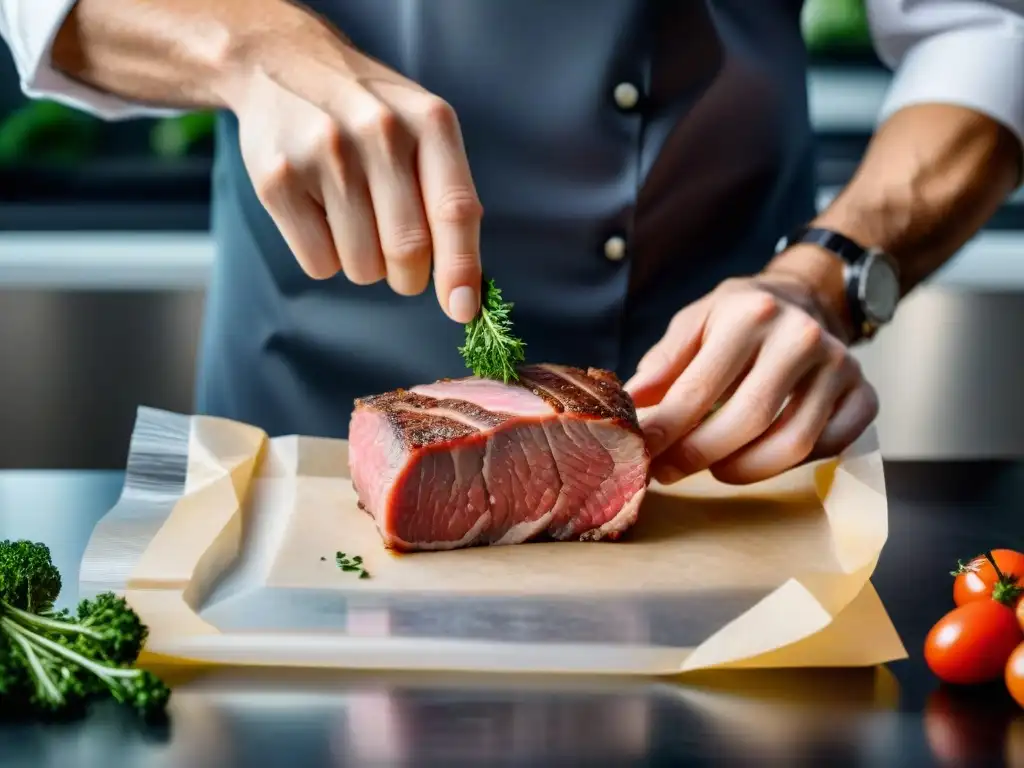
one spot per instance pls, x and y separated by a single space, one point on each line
758 346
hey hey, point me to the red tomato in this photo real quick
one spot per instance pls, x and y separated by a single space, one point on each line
1020 614
1015 675
971 644
976 579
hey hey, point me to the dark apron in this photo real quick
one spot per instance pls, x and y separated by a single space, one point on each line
700 179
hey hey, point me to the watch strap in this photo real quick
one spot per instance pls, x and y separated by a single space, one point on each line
842 246
853 254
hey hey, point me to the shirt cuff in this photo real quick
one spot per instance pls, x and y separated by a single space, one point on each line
979 69
33 44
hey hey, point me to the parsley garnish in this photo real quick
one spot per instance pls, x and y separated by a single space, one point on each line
351 564
491 350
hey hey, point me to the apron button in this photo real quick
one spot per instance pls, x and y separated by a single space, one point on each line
627 95
615 248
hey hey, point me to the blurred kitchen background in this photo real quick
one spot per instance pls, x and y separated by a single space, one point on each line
104 254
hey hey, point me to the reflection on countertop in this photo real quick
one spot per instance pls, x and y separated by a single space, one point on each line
787 718
311 718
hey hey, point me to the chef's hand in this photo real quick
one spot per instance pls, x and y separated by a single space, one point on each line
362 170
758 346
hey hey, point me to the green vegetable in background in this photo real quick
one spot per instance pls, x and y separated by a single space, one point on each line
55 662
491 350
832 25
45 131
179 135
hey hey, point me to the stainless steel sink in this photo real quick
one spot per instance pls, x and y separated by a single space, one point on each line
75 364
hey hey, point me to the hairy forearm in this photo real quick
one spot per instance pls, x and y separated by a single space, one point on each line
178 53
932 176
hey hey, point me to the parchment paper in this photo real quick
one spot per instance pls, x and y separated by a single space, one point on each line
224 542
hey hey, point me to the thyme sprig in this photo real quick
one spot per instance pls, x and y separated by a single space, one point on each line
492 350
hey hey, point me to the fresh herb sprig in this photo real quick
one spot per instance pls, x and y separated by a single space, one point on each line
491 350
351 564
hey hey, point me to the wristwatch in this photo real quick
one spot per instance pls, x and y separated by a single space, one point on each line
871 277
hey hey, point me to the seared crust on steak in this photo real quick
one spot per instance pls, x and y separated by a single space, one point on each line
416 417
422 420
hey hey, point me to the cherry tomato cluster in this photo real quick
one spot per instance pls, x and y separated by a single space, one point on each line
982 639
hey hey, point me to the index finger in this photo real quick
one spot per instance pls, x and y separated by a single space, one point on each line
703 382
453 214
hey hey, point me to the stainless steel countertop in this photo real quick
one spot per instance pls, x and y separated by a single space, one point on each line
939 512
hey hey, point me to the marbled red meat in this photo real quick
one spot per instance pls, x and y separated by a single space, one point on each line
466 462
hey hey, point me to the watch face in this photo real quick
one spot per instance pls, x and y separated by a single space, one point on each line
879 289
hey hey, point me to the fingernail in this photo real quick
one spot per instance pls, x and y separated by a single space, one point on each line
463 304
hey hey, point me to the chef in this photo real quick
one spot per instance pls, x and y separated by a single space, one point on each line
637 176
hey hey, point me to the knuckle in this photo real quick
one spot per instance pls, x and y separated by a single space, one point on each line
459 206
278 173
808 335
799 446
378 126
837 356
439 115
329 137
407 245
761 306
461 267
761 410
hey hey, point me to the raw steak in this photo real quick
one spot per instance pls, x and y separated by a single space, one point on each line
465 462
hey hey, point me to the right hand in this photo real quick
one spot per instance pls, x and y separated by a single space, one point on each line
362 170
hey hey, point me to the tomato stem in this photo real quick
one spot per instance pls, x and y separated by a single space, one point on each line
1006 589
999 574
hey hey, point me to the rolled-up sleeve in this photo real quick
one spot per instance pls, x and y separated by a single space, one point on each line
969 54
29 27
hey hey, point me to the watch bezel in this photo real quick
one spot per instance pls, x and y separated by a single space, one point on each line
859 265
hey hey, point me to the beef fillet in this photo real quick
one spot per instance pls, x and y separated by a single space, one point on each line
466 462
